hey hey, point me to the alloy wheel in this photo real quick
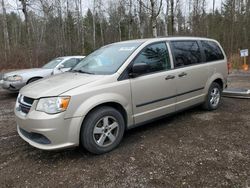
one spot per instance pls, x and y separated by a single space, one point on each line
106 131
215 97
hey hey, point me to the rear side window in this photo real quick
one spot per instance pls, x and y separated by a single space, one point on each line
212 51
156 56
186 53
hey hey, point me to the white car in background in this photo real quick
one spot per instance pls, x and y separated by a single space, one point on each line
14 81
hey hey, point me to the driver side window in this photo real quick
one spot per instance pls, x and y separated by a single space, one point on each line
70 63
156 56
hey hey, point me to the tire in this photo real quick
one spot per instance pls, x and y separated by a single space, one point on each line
213 98
102 130
33 80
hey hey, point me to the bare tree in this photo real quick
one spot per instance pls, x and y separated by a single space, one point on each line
81 27
232 25
61 31
172 17
140 19
213 6
6 33
130 21
28 29
80 33
155 11
94 29
166 18
50 28
100 11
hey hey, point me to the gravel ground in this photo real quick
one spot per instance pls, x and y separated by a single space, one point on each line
239 79
194 148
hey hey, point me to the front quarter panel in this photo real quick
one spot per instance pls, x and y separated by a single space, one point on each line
41 74
82 103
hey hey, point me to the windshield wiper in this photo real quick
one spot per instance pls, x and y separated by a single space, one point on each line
81 71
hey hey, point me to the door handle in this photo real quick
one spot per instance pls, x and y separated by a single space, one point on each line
182 74
170 77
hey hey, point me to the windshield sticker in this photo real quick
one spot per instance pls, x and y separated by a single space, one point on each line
126 48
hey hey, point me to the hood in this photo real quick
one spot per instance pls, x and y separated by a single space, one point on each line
26 71
58 84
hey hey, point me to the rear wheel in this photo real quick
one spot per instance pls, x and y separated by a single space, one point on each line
213 97
102 130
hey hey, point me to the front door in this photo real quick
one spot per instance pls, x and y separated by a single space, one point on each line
153 93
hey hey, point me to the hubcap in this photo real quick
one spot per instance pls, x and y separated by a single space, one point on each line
215 97
106 131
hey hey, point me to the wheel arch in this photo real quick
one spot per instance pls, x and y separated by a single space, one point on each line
218 78
35 77
220 82
112 104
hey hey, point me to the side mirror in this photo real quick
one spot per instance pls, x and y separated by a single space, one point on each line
139 69
60 67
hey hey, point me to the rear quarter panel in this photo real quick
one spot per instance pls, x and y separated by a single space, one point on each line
217 69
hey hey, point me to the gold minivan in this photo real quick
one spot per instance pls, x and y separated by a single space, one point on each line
120 86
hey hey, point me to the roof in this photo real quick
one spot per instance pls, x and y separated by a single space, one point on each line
169 38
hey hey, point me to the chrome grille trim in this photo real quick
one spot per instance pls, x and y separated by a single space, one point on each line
24 104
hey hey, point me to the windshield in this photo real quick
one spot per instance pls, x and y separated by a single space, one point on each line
52 64
108 59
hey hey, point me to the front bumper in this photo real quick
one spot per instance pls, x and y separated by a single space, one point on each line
48 132
12 86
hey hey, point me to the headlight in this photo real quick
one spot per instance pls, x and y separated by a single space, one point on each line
14 78
53 105
17 101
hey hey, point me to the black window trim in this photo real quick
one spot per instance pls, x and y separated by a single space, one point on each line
125 74
203 57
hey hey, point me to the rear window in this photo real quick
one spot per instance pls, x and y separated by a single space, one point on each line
212 51
186 53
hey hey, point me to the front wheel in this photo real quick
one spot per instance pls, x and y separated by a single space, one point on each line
213 97
102 130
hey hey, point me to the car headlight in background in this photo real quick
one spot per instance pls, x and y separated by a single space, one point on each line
14 78
53 105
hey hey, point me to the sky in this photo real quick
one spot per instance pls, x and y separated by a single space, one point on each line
12 5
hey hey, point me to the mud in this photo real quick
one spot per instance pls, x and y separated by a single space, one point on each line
194 148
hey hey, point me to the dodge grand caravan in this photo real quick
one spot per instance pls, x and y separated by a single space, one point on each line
120 86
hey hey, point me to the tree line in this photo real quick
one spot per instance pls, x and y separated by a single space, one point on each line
43 29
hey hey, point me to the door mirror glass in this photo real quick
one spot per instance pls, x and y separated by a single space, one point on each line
139 68
60 67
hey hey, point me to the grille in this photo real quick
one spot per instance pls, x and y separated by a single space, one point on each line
28 100
25 109
25 104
